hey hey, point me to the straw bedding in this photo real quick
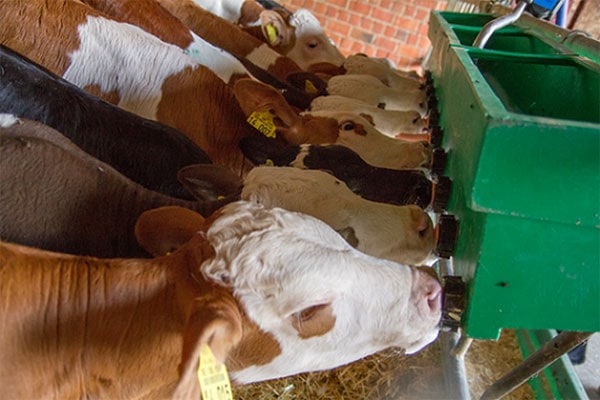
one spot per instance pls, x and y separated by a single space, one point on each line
392 375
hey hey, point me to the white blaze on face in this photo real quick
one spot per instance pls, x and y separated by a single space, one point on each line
312 45
280 263
124 58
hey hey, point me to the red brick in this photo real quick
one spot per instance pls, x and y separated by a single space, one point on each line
383 15
319 8
366 23
386 4
378 27
385 44
332 13
354 19
361 35
339 3
338 27
390 31
412 39
343 16
407 23
409 11
357 47
361 8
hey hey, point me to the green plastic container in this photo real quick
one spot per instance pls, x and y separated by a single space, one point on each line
521 121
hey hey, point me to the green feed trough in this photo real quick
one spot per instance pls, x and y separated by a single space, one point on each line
521 125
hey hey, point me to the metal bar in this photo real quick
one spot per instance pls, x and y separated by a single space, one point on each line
498 23
453 364
535 363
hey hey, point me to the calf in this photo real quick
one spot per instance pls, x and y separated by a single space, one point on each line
372 183
299 36
152 17
131 68
388 122
331 127
382 70
371 90
145 151
399 233
57 197
81 327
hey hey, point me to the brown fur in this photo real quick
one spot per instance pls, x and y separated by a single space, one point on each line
84 327
148 15
194 101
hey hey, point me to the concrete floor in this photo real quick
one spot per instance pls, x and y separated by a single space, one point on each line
589 371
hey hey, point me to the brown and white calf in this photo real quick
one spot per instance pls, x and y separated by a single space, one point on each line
155 19
273 293
398 233
332 127
382 70
57 197
371 90
298 35
129 67
388 122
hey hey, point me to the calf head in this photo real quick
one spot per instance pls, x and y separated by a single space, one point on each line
329 127
306 300
300 37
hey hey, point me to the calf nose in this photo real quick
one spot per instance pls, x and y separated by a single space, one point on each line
422 222
430 291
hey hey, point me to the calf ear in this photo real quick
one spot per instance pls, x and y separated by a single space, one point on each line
163 230
254 96
210 182
215 322
274 28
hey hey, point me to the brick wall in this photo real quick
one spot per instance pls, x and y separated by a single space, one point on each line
396 29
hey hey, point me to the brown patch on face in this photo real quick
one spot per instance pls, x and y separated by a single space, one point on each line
349 125
112 96
369 118
314 321
314 130
256 348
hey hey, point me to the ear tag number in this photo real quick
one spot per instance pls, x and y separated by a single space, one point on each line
271 33
213 378
263 122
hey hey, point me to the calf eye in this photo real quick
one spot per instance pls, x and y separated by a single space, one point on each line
312 45
347 126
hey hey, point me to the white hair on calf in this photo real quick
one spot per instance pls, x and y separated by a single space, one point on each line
98 38
361 304
8 120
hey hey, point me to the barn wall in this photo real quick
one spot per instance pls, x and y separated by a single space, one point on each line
396 29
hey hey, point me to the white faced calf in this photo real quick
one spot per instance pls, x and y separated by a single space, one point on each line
399 233
273 293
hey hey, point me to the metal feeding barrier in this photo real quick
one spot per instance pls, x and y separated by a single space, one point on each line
516 106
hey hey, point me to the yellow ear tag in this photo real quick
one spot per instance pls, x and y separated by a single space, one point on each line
271 33
213 378
309 87
263 122
269 163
